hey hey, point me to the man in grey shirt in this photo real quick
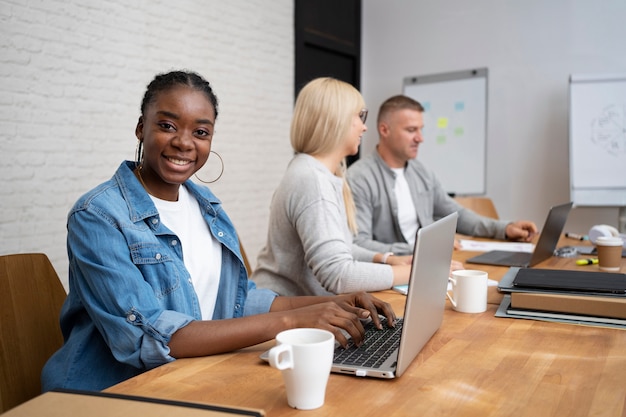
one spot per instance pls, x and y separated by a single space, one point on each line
395 194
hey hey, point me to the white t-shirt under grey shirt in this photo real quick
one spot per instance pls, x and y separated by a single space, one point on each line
407 214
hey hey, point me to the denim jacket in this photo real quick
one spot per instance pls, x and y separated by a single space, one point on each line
129 290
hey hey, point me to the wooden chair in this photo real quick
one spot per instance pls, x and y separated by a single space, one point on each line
31 296
481 205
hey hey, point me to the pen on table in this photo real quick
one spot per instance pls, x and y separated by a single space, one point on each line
576 236
590 261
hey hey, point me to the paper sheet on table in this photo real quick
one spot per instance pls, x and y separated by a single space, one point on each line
483 246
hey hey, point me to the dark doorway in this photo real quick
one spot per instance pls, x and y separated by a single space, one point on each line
328 42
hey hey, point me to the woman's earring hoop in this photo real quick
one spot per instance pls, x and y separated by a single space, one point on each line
221 172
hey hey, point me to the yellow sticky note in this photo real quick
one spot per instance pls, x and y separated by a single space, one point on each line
442 122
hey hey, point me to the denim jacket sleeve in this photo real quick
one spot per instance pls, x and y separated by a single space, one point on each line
136 299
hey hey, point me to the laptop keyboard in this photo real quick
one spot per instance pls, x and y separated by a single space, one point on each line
376 347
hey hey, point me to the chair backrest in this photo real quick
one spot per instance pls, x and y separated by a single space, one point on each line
31 296
481 205
246 262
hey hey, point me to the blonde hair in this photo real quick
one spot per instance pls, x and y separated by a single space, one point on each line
322 119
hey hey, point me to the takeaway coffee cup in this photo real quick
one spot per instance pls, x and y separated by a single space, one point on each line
609 253
305 357
469 291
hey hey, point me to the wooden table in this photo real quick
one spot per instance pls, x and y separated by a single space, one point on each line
475 365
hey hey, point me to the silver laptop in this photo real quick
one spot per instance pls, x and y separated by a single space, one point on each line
423 312
548 239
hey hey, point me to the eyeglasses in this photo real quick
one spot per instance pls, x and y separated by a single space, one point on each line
363 115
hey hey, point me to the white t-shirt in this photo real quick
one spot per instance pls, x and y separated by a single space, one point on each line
407 215
201 253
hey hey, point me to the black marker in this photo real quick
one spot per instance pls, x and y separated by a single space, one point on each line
576 236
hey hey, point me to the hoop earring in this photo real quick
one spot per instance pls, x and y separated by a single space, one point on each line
139 154
221 172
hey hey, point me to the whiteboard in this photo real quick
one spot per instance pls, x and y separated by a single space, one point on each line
455 127
597 140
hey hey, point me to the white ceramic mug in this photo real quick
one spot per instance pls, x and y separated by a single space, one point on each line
305 357
469 291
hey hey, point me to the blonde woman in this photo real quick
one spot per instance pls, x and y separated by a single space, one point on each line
309 249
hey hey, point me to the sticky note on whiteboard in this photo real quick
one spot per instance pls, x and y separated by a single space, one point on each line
442 122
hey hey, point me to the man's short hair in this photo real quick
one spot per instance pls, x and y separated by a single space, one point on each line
399 102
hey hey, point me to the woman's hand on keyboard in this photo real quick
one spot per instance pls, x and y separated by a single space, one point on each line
365 305
334 313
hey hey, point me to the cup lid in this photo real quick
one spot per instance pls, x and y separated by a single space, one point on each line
609 241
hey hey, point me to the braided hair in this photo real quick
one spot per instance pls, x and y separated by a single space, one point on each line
164 82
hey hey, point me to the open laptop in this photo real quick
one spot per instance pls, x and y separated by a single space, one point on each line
548 239
423 312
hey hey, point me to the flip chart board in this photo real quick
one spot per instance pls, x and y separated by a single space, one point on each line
455 127
597 140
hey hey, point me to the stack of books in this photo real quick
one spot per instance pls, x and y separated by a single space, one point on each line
594 298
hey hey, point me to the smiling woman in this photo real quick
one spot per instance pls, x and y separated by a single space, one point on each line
177 129
135 302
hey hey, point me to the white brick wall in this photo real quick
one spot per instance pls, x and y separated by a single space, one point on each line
72 75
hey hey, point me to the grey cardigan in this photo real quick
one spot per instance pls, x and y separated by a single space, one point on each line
372 183
309 249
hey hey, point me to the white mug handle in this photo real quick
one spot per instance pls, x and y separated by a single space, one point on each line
452 300
278 360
